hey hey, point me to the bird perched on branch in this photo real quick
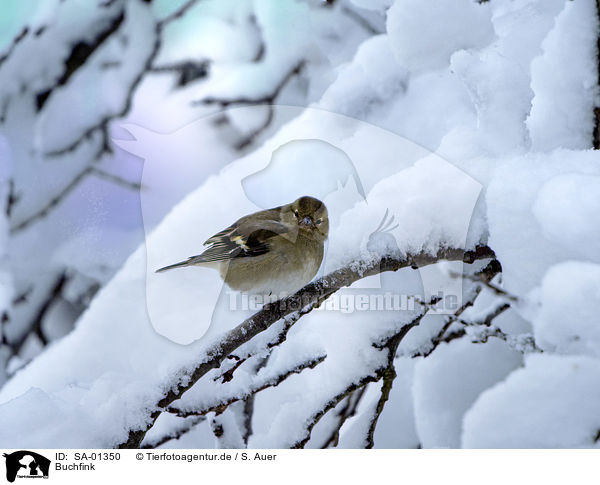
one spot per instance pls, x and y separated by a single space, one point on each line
271 252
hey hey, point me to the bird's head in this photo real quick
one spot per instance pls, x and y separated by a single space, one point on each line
310 215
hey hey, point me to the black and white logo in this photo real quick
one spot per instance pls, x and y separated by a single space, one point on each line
26 464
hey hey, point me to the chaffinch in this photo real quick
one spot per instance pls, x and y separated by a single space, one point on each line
271 252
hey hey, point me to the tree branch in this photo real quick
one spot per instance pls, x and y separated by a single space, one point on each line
177 14
66 191
306 299
35 326
391 344
484 276
187 71
596 132
349 410
220 407
360 20
53 202
80 53
389 375
281 337
265 99
190 423
116 179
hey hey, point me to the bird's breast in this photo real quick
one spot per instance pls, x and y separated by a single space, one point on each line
279 272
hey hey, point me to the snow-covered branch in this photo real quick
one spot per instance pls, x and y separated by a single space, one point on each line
467 121
385 373
308 298
261 383
175 434
347 411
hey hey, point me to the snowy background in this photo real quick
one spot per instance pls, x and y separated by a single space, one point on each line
132 130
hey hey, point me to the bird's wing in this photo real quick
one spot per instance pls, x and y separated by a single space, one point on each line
242 239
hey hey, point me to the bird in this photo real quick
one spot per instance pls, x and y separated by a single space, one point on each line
273 252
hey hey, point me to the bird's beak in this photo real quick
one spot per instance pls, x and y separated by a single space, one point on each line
306 221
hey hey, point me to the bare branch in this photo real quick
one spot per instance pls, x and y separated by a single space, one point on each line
483 276
52 203
248 413
596 132
389 375
487 321
349 410
360 20
187 71
251 137
180 12
17 39
265 99
66 191
12 198
479 278
524 343
116 179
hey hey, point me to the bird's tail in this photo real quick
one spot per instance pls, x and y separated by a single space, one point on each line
173 266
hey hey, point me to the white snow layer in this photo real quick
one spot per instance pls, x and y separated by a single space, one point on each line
551 403
468 79
568 320
450 380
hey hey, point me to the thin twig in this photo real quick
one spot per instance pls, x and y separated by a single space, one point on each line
191 423
389 375
53 202
349 410
180 12
35 325
483 276
224 404
264 99
488 284
391 344
308 298
360 20
116 179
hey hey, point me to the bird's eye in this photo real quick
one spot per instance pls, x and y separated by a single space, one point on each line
296 213
319 222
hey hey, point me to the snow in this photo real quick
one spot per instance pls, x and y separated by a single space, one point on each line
373 4
467 123
283 360
209 31
567 321
53 133
448 382
550 403
174 298
425 36
396 424
56 424
565 207
368 76
83 204
564 121
512 200
285 28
